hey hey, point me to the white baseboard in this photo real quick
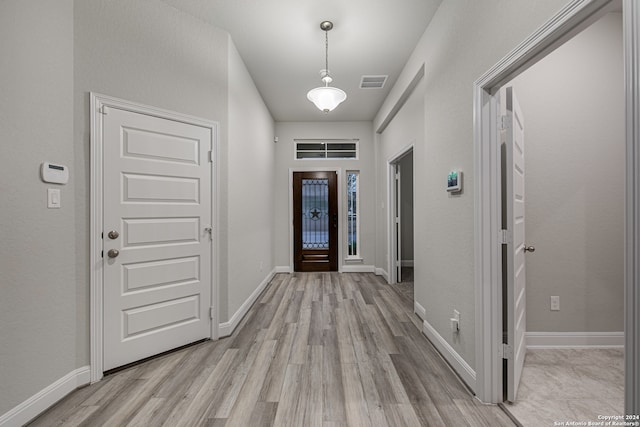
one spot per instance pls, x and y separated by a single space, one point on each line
574 339
346 268
226 329
45 398
381 272
282 269
419 310
456 361
406 263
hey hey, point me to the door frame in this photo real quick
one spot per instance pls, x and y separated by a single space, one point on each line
341 213
98 105
572 19
391 203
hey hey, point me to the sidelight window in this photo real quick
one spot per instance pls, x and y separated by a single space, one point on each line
353 222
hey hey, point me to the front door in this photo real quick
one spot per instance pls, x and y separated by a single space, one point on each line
157 235
315 221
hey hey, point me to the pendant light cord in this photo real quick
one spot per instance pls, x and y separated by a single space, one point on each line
326 54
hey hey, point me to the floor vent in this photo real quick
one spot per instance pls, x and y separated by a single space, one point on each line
373 82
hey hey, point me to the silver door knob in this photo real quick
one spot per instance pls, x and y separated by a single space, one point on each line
529 249
113 253
113 234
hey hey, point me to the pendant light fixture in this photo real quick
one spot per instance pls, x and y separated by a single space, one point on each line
326 98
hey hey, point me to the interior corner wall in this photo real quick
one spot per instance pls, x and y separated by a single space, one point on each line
37 274
462 42
251 187
573 107
406 129
147 52
285 159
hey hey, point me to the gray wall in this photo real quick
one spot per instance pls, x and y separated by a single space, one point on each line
251 189
573 105
286 132
463 40
37 270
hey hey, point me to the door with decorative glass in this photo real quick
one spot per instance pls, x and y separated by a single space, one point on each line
315 221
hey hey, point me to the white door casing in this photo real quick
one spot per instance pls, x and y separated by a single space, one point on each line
512 136
571 19
152 183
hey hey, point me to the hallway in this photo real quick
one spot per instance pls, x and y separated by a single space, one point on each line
316 349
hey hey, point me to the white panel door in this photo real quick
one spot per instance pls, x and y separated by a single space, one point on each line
398 223
157 239
515 202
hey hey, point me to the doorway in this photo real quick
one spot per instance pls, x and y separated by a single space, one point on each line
559 29
575 278
315 221
401 219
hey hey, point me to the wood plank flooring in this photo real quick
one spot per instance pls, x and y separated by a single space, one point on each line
317 349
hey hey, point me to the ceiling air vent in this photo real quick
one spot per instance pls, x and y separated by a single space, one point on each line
373 82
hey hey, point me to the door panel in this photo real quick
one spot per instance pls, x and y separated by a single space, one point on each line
157 197
515 253
315 221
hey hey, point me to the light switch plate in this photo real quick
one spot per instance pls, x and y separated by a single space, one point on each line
53 198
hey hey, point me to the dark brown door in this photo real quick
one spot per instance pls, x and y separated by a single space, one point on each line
315 221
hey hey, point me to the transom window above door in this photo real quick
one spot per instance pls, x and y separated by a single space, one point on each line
319 149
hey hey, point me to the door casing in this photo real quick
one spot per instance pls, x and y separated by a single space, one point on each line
572 19
98 104
391 206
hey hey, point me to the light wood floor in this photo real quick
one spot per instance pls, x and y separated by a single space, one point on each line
323 349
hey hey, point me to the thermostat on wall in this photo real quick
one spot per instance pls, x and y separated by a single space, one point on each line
56 174
454 181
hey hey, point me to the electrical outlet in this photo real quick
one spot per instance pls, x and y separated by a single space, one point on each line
555 303
261 265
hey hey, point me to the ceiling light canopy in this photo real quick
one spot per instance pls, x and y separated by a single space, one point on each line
326 98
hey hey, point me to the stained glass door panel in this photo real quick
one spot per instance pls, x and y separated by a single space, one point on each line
315 221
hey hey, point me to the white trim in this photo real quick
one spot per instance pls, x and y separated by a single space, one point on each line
459 365
282 269
97 103
226 329
574 339
346 268
45 398
383 273
391 202
419 310
631 30
341 213
406 263
574 17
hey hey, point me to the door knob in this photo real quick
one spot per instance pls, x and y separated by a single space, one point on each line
529 249
113 253
113 234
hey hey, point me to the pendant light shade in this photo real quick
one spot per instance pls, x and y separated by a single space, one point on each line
326 98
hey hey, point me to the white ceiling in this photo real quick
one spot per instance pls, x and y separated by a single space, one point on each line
282 46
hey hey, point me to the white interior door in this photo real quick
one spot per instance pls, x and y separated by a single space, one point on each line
513 139
157 236
398 222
